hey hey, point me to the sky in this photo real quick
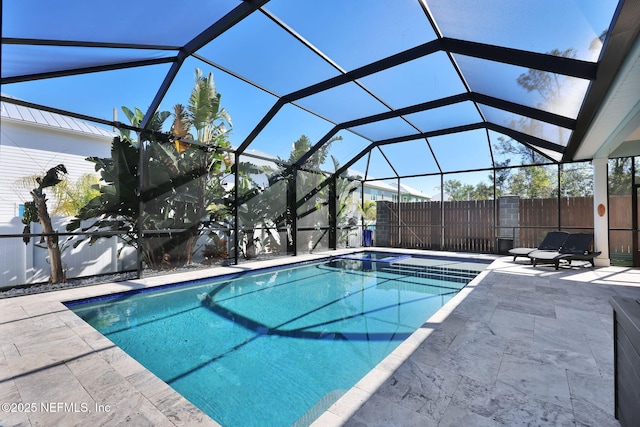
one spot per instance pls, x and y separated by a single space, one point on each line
351 33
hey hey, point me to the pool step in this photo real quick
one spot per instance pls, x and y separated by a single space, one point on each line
442 273
453 274
389 259
319 408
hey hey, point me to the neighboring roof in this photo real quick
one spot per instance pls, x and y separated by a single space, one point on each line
412 191
381 185
53 120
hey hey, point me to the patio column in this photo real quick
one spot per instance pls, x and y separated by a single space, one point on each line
601 212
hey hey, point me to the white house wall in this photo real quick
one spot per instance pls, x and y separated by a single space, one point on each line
32 142
27 149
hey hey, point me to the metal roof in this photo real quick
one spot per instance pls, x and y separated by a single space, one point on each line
20 113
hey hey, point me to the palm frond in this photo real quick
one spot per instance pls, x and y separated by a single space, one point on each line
52 177
180 126
130 115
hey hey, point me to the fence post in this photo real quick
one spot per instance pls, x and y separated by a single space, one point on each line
383 223
508 222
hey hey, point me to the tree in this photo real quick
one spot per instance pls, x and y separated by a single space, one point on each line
549 86
312 189
193 174
116 208
457 190
516 149
529 181
620 176
575 181
275 207
37 211
182 190
502 174
136 116
482 191
533 182
260 208
345 221
537 181
310 180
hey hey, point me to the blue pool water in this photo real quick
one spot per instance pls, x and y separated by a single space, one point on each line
277 347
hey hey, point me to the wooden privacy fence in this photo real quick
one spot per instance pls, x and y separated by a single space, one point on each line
576 215
476 225
539 216
469 225
620 234
419 226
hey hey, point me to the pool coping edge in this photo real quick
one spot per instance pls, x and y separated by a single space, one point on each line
345 407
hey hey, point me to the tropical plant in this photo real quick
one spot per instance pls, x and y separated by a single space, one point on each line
182 191
136 116
368 212
116 208
200 197
71 196
312 191
265 209
346 220
37 211
261 207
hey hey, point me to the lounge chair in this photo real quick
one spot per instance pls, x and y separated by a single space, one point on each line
576 247
551 242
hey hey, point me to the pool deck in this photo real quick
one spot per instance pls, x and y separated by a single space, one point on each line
520 345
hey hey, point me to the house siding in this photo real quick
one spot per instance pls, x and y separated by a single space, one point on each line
28 149
32 142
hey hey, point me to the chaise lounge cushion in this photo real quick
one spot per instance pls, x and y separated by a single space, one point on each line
576 247
552 242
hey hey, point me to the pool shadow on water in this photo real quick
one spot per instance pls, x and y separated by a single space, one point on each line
209 302
323 328
304 333
262 330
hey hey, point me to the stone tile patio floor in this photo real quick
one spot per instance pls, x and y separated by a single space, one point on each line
520 345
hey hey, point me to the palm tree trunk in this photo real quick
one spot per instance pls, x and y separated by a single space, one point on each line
55 258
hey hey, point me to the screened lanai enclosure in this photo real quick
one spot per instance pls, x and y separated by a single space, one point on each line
155 136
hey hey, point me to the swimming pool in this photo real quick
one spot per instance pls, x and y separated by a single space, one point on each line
278 346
